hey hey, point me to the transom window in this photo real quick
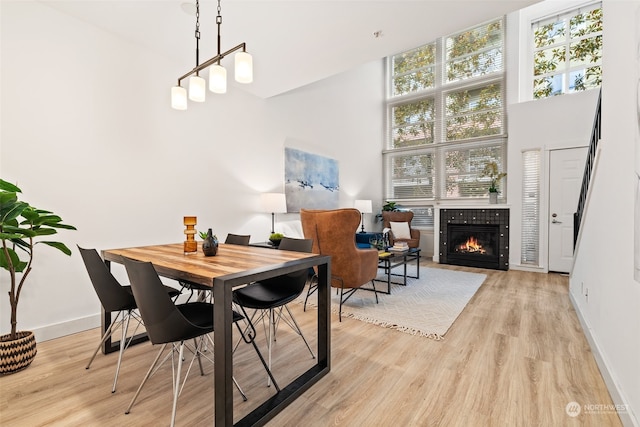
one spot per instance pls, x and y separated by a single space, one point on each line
446 117
567 52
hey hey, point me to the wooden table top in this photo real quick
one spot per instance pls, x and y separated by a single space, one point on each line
170 261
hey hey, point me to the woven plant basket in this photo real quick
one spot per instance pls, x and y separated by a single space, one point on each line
15 355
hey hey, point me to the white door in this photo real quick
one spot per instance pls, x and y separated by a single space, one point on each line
566 168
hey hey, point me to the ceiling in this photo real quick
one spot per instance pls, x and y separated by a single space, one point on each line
293 42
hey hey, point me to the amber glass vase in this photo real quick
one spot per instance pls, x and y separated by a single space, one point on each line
190 245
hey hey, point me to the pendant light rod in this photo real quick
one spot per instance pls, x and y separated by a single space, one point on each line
197 34
219 24
212 61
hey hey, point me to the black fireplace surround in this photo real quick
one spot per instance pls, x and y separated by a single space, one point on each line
475 238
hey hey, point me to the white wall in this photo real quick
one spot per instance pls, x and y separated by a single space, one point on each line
546 124
602 286
87 131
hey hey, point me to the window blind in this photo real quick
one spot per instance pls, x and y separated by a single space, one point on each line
446 117
530 250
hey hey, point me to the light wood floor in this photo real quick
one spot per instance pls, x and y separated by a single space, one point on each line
516 356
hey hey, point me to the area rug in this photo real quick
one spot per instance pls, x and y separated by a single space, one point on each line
427 306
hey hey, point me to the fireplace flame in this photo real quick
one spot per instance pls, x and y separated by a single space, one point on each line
471 246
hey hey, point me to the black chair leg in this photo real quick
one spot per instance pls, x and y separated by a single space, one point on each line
373 283
195 343
249 338
310 291
340 309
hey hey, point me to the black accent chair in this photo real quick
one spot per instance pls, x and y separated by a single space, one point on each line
114 298
168 323
269 298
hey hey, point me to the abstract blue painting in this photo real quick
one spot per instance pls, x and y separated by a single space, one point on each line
311 181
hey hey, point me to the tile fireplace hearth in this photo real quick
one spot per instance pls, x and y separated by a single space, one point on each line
474 238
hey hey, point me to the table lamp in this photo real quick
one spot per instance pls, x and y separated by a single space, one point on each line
364 206
274 203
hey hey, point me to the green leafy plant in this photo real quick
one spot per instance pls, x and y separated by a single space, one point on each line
491 171
389 206
21 227
276 236
203 235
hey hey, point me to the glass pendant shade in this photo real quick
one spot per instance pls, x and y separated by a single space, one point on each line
217 79
179 98
197 88
244 67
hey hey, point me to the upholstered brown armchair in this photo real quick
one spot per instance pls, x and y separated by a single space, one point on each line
413 236
333 234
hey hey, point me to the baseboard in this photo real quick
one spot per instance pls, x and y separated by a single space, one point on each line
626 416
69 327
527 267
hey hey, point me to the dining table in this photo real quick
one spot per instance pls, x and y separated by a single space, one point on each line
233 266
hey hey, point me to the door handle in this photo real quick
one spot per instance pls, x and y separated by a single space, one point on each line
555 221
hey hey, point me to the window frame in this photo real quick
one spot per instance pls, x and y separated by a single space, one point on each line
440 144
567 69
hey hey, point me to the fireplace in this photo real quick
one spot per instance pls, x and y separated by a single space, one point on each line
475 237
473 245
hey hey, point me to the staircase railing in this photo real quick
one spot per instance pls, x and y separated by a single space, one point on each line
596 133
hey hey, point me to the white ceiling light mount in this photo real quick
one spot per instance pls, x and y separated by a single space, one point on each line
217 73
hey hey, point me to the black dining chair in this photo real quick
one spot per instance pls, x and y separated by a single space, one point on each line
168 323
237 239
269 298
114 298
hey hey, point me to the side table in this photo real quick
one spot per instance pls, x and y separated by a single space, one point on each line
389 260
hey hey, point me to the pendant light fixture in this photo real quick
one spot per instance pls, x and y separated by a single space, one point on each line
217 73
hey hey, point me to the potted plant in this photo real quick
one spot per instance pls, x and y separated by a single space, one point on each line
491 171
21 227
275 238
387 207
209 243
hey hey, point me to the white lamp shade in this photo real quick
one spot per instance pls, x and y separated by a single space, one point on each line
197 88
217 79
179 98
273 202
244 67
364 206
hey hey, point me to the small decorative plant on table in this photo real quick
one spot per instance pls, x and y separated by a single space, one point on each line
491 171
20 225
209 243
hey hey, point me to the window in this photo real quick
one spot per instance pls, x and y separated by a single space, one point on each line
567 52
446 117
